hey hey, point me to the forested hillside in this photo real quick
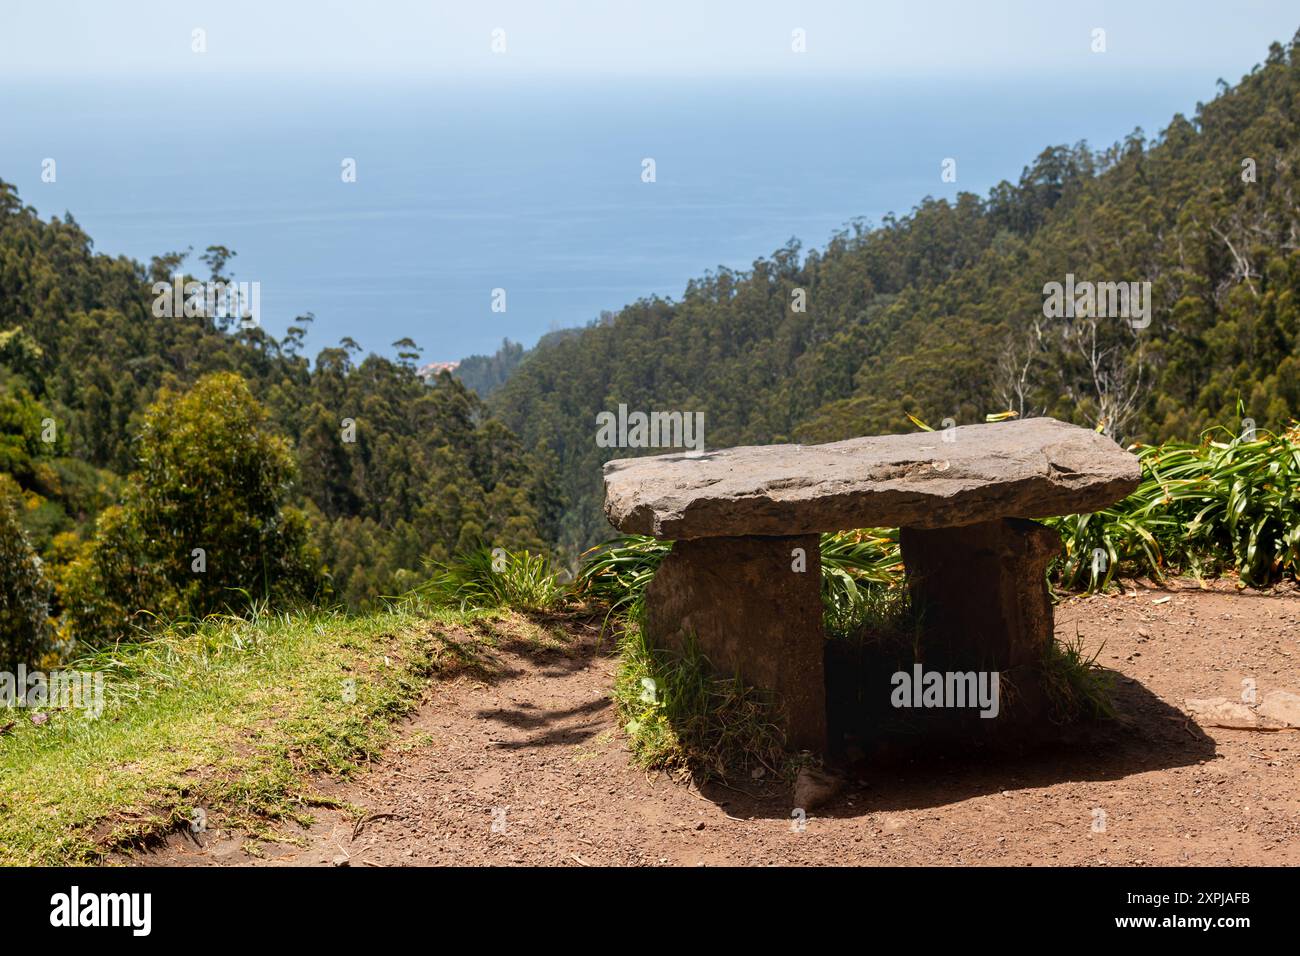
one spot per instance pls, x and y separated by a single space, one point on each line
138 451
378 469
484 374
940 313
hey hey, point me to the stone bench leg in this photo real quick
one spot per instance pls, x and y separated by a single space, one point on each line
752 614
982 593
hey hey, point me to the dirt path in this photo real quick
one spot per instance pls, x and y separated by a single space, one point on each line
531 770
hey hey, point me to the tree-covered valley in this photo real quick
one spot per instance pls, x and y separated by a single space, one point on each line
940 313
129 440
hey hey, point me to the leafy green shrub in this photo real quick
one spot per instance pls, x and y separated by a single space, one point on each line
1230 502
492 578
21 431
859 568
203 519
617 572
25 632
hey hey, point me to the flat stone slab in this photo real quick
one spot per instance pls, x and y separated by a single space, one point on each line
1034 468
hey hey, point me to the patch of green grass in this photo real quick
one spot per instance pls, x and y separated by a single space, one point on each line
682 718
491 578
228 716
1077 686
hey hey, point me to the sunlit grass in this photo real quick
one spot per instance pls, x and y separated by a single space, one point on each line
490 578
228 716
680 717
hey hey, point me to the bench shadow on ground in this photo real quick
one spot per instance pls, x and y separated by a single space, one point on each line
515 657
902 774
560 727
496 654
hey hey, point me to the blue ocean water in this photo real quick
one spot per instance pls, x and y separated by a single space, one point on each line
534 188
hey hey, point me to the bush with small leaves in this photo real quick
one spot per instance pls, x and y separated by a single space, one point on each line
25 632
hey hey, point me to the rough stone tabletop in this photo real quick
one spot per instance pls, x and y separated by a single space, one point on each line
1032 468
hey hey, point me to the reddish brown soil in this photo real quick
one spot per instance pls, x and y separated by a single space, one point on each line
537 748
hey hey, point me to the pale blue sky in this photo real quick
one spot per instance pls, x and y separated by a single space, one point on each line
653 37
522 170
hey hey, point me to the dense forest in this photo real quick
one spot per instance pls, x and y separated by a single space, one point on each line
484 374
182 465
940 313
129 440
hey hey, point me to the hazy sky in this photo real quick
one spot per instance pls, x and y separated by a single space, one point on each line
533 183
652 37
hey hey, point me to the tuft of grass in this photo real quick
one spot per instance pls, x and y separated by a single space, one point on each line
880 617
1077 686
228 716
491 578
681 718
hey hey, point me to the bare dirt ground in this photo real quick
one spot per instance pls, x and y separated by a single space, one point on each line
530 769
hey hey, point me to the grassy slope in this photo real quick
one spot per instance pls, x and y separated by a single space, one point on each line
230 716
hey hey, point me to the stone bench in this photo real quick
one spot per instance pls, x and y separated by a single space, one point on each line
741 517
